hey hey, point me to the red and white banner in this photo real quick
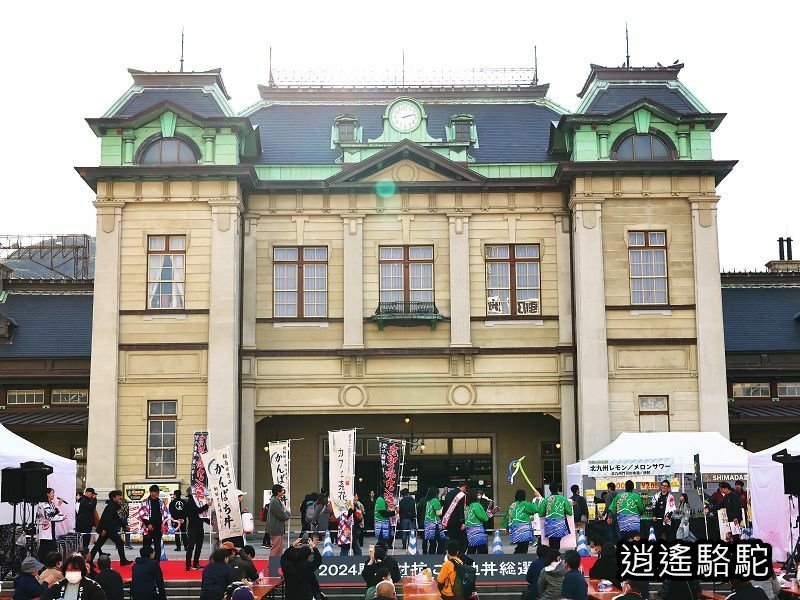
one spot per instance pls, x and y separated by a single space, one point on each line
392 455
341 468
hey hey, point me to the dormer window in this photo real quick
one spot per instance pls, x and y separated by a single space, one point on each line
642 146
346 129
169 151
461 128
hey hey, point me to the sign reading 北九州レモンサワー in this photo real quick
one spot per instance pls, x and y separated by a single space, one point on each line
652 467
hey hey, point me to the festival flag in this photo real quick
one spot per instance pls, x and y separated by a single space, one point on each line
279 462
392 454
222 489
198 477
341 468
698 478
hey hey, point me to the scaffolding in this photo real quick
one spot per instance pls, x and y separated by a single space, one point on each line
47 256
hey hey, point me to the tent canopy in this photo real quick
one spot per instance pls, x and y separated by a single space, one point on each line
717 454
15 450
792 446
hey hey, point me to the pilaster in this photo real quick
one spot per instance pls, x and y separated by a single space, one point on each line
460 332
101 467
353 281
247 472
223 327
594 423
569 450
564 283
249 284
712 384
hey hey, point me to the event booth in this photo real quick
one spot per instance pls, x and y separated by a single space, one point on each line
648 458
774 512
15 450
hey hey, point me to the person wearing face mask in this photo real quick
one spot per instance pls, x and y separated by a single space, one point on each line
75 584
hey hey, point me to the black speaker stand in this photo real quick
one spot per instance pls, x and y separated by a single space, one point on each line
790 565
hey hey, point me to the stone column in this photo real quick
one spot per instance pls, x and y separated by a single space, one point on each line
128 137
711 378
247 471
250 242
353 281
460 328
209 137
594 423
223 321
569 450
101 466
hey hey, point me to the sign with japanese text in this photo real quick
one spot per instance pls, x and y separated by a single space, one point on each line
198 478
631 468
341 468
491 568
391 453
135 495
222 489
279 463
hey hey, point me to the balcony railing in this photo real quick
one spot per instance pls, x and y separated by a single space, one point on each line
407 313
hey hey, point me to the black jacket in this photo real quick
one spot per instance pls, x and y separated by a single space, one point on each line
408 508
605 568
192 512
27 587
581 509
217 576
177 509
300 573
147 580
111 582
109 520
89 590
732 505
84 520
244 567
370 570
457 518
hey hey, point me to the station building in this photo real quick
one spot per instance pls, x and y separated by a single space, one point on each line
474 269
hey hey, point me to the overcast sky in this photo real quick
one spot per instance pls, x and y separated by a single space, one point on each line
65 61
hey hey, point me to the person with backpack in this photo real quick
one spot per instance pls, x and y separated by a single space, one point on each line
456 579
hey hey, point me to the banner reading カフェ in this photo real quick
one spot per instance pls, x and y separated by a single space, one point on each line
341 468
222 489
279 463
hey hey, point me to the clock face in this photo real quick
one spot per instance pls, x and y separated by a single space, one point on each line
405 116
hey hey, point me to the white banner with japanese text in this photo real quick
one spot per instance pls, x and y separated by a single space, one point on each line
628 468
279 463
222 489
341 468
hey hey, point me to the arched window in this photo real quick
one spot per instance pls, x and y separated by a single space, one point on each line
642 146
168 151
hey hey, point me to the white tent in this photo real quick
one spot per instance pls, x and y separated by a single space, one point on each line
792 446
717 454
15 450
774 513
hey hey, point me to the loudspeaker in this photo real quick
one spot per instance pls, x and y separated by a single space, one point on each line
35 481
791 477
13 485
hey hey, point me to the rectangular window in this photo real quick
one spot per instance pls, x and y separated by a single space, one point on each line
647 251
406 279
161 438
512 280
25 397
751 390
300 281
472 445
551 462
463 131
166 271
788 390
347 132
70 397
653 413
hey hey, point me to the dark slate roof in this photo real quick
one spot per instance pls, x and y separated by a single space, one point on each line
48 325
761 319
301 134
69 418
619 96
38 265
766 410
194 100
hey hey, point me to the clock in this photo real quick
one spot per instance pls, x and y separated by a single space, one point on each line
405 116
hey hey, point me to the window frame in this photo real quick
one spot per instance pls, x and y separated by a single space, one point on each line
79 392
672 152
655 412
406 261
550 459
794 384
349 129
301 262
167 251
512 261
27 392
145 146
761 384
462 130
161 417
652 247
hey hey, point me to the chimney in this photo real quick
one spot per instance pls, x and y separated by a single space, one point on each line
785 260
